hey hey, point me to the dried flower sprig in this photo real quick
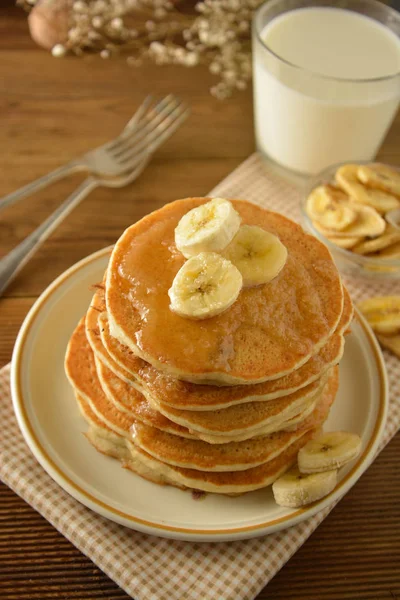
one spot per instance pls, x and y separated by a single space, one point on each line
216 33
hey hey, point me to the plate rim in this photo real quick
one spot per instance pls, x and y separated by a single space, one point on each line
154 528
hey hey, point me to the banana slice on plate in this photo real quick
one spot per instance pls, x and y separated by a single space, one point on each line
328 451
330 207
295 489
207 228
389 237
382 313
381 177
367 224
205 286
258 254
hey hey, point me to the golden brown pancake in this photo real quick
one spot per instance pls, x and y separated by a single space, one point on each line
244 418
81 370
230 482
145 465
93 335
189 396
323 406
192 396
267 333
127 399
196 454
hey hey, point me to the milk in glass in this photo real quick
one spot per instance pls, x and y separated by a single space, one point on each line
326 87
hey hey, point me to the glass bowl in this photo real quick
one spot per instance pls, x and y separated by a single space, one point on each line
348 262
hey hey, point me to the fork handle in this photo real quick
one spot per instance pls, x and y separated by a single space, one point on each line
13 262
40 183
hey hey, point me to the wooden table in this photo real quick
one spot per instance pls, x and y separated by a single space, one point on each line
53 110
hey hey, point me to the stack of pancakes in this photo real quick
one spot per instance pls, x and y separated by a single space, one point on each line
223 404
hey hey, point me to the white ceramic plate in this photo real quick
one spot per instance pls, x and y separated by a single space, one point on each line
52 426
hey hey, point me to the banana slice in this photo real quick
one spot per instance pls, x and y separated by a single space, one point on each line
296 489
350 179
391 342
382 313
205 286
330 207
392 251
347 243
389 237
328 451
367 224
258 254
381 177
207 228
381 201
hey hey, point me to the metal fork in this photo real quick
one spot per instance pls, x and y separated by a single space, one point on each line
150 135
109 159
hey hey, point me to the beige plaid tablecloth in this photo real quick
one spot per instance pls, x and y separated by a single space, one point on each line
151 568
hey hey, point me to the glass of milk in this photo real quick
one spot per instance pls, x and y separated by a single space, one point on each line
326 80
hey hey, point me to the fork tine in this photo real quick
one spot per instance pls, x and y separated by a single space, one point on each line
154 116
152 133
137 121
151 124
138 114
157 136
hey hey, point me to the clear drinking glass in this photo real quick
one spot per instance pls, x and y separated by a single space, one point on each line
306 121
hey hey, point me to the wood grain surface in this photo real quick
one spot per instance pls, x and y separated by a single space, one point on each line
51 111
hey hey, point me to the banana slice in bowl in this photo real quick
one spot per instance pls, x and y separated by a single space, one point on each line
331 208
258 254
207 228
381 177
205 286
367 223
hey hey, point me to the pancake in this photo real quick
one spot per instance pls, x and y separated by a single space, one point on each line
323 406
190 396
267 333
106 441
244 418
81 370
230 482
196 454
117 446
128 400
260 420
93 335
347 314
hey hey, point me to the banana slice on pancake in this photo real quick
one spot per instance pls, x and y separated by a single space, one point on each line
330 207
207 228
382 313
258 254
205 286
381 177
295 489
328 451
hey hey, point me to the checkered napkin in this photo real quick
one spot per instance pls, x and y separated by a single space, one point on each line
148 567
